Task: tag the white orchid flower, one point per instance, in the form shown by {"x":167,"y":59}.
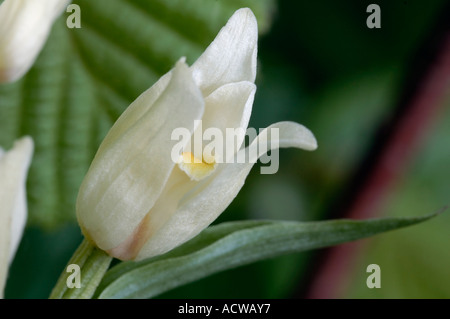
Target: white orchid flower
{"x":24,"y":28}
{"x":13,"y":205}
{"x":135,"y":201}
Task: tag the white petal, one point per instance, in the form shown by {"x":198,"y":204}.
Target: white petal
{"x":229,"y":106}
{"x":126,"y":177}
{"x":231,"y":57}
{"x":203,"y":204}
{"x":291,"y":134}
{"x":24,"y":28}
{"x":176,"y":187}
{"x":135,"y":111}
{"x":13,"y":209}
{"x":210,"y":197}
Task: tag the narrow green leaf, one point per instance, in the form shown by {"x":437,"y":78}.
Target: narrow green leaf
{"x":209,"y":236}
{"x":234,"y":244}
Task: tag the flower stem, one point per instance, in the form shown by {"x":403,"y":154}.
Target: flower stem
{"x":92,"y":262}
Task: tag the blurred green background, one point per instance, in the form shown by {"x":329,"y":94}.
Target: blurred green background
{"x":319,"y":65}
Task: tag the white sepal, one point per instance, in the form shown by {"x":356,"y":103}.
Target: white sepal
{"x":14,"y":166}
{"x":24,"y":28}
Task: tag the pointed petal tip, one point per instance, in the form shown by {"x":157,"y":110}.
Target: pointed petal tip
{"x":245,"y":18}
{"x":292,"y":134}
{"x":25,"y":145}
{"x":246,"y":13}
{"x":181,"y":60}
{"x":306,"y":139}
{"x":232,"y":56}
{"x":181,"y":66}
{"x":26,"y":140}
{"x":309,"y":140}
{"x":314,"y":145}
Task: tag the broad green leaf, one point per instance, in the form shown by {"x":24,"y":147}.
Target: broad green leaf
{"x":85,"y":78}
{"x":234,"y":244}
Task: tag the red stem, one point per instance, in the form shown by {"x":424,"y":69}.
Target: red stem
{"x":409,"y":133}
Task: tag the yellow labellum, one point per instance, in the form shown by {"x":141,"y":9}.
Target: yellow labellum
{"x":195,"y":168}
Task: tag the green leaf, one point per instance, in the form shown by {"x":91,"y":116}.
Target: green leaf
{"x":85,"y":78}
{"x":234,"y":244}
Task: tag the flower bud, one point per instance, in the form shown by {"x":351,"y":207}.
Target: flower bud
{"x":13,"y":208}
{"x":136,"y":201}
{"x":24,"y":28}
